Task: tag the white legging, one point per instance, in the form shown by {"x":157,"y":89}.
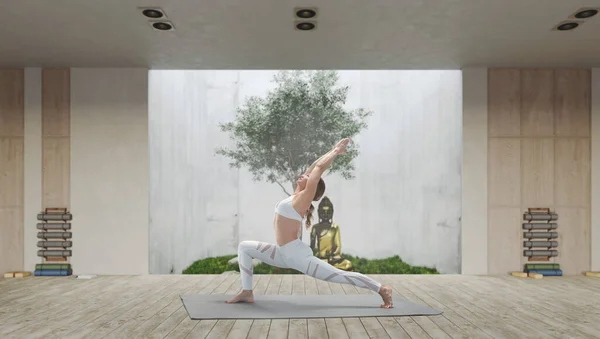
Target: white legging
{"x":296,"y":255}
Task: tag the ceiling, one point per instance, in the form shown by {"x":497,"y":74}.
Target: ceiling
{"x":259,"y":34}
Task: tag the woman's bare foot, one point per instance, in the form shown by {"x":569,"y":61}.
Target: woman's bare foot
{"x":245,"y":296}
{"x":386,"y":294}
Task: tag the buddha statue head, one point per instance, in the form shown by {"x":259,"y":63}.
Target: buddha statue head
{"x":325,"y":211}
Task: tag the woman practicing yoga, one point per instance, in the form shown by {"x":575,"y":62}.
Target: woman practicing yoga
{"x":290,"y":251}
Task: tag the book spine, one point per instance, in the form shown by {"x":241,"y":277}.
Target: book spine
{"x":53,"y":273}
{"x":555,"y":273}
{"x":44,"y":267}
{"x":542,"y":266}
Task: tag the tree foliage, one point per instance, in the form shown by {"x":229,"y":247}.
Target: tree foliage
{"x":278,"y":136}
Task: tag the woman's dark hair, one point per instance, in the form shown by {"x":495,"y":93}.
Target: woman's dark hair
{"x":318,"y":194}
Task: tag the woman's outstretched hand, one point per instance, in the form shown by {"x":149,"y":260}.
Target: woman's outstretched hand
{"x":340,"y":147}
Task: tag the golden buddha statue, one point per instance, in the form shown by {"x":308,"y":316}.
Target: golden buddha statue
{"x":325,"y":238}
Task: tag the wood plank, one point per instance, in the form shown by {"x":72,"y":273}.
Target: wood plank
{"x":122,"y":309}
{"x":11,"y":172}
{"x":153,"y":315}
{"x":240,"y":329}
{"x":12,"y":104}
{"x":523,"y":319}
{"x":574,"y":247}
{"x":504,"y":172}
{"x":452,"y":323}
{"x":574,"y":308}
{"x":188,"y":327}
{"x":537,"y":172}
{"x":573,"y":172}
{"x":57,"y":295}
{"x":279,"y":327}
{"x":572,"y":100}
{"x":505,"y":240}
{"x":298,"y":328}
{"x":53,"y":305}
{"x":67,"y":316}
{"x":485,"y":317}
{"x":504,"y":102}
{"x":260,"y":327}
{"x":12,"y":131}
{"x":11,"y":239}
{"x":56,"y":172}
{"x":537,"y":105}
{"x":525,"y":301}
{"x":316,"y":327}
{"x":56,"y":102}
{"x":220,"y":328}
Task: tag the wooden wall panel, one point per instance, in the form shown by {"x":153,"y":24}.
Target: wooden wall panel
{"x":504,"y":240}
{"x":573,"y":176}
{"x":11,"y":169}
{"x":574,"y":240}
{"x":11,"y":239}
{"x":56,"y":137}
{"x":11,"y":103}
{"x":56,"y":96}
{"x":504,"y":166}
{"x":537,"y":104}
{"x":56,"y":172}
{"x":537,"y":172}
{"x":554,"y":163}
{"x":504,"y":117}
{"x":572,"y":98}
{"x":11,"y":172}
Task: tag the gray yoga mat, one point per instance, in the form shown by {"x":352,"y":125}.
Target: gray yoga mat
{"x":213,"y":306}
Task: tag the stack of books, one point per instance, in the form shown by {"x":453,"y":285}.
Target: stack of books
{"x":55,"y":270}
{"x":550,"y":269}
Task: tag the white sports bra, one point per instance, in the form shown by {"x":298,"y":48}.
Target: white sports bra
{"x":285,"y":208}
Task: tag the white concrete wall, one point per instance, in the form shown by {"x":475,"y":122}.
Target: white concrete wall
{"x":109,"y":170}
{"x":474,"y":237}
{"x":32,"y":165}
{"x":595,"y":171}
{"x":405,"y":200}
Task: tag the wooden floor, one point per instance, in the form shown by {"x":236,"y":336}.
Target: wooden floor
{"x":149,"y":307}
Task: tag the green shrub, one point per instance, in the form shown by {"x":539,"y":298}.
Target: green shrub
{"x":391,"y":265}
{"x":213,"y":265}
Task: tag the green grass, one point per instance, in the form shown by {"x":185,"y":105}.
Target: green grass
{"x":391,"y":265}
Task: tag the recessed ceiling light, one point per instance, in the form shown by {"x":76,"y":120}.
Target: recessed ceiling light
{"x":586,"y":13}
{"x":162,"y":26}
{"x":305,"y":13}
{"x":153,"y":12}
{"x":567,"y":26}
{"x":305,"y":26}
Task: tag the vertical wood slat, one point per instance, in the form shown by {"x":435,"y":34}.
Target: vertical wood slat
{"x":572,"y":102}
{"x":537,"y":105}
{"x":537,"y":172}
{"x":56,"y":138}
{"x":12,"y":129}
{"x":573,"y":172}
{"x":574,"y":241}
{"x":504,"y":110}
{"x":504,"y":239}
{"x":504,"y":172}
